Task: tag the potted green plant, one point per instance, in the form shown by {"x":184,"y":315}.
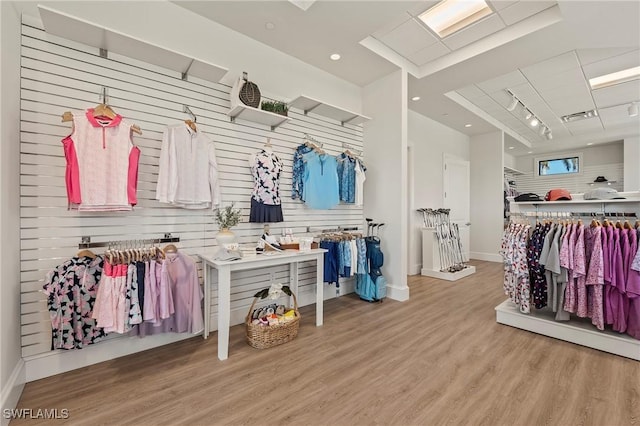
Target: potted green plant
{"x":275,"y":107}
{"x":226,"y":218}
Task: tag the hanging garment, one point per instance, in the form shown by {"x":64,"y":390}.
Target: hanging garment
{"x":346,"y":178}
{"x":331,"y":262}
{"x":297,"y":186}
{"x":266,"y":168}
{"x":360,"y":170}
{"x":556,"y":276}
{"x":71,"y":290}
{"x":536,"y":270}
{"x":181,"y":274}
{"x":595,"y":275}
{"x":188,"y":172}
{"x":320,"y":181}
{"x":101,"y":163}
{"x":516,"y":272}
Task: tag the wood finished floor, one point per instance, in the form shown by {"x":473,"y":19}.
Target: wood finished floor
{"x":439,"y":358}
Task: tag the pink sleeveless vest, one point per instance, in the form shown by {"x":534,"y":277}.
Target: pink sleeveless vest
{"x":102,"y":164}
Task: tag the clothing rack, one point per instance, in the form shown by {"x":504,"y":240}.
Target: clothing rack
{"x":566,"y":215}
{"x":168,"y":238}
{"x":338,"y":229}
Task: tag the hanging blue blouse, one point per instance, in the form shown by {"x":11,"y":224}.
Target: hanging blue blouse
{"x":320,"y":190}
{"x":297,"y":187}
{"x":347,"y":178}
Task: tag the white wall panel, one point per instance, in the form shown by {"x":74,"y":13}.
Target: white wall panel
{"x":60,"y":75}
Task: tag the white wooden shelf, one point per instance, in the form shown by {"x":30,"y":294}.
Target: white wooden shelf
{"x":575,"y":331}
{"x":513,"y":171}
{"x":89,"y":33}
{"x":544,"y":203}
{"x":256,"y":115}
{"x":344,"y":116}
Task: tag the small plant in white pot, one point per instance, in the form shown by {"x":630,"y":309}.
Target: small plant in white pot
{"x":226,"y":218}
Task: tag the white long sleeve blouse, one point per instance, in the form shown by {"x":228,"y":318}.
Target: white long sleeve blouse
{"x":188,"y":175}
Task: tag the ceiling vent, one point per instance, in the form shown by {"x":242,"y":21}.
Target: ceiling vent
{"x":579,"y":116}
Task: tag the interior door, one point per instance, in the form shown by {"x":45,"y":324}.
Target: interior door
{"x":457,"y":195}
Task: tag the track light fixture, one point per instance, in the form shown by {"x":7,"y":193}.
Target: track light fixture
{"x":529,"y":116}
{"x":633,"y":110}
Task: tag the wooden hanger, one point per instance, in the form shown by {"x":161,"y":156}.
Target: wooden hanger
{"x":170,"y":248}
{"x":627,"y":225}
{"x":618,"y":225}
{"x":191,"y":124}
{"x":86,"y":253}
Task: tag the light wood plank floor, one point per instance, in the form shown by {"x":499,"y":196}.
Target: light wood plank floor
{"x":438,"y":359}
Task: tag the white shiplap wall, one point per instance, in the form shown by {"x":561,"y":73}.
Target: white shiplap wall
{"x":575,"y":183}
{"x":60,"y":75}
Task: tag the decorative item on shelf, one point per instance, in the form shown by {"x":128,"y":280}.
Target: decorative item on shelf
{"x":227,"y":218}
{"x":249,"y":92}
{"x":601,"y":179}
{"x":272,"y":325}
{"x":275,"y":107}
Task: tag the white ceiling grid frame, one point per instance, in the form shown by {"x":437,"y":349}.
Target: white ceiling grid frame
{"x":59,"y":75}
{"x":409,"y":38}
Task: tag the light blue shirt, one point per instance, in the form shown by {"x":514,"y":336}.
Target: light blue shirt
{"x":320,"y":181}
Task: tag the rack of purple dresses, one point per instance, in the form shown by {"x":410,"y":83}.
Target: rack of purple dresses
{"x":572,"y":272}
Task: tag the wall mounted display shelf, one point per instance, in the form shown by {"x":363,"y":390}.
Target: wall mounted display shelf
{"x":307,"y":105}
{"x":108,"y":40}
{"x":256,"y":115}
{"x":512,"y":171}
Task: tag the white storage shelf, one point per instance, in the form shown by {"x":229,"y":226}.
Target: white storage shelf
{"x":513,"y":171}
{"x":89,"y":33}
{"x":307,"y":105}
{"x":256,"y":115}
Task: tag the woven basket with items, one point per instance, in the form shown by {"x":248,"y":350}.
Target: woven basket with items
{"x":274,"y":324}
{"x":249,"y":93}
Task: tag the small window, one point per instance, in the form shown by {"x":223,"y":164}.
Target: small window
{"x":559,"y":166}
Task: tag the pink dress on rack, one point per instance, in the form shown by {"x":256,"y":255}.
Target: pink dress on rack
{"x":633,"y":292}
{"x":595,"y":277}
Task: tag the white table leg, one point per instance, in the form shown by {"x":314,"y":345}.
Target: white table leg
{"x":319,"y":288}
{"x":224,"y":310}
{"x":207,"y":298}
{"x":293,"y":280}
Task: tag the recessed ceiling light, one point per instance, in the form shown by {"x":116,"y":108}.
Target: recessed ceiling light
{"x":449,"y":16}
{"x":415,"y":98}
{"x":335,"y":56}
{"x":467,"y":125}
{"x":529,"y":152}
{"x":615,"y":78}
{"x":270,"y":26}
{"x":512,"y":147}
{"x":590,"y":143}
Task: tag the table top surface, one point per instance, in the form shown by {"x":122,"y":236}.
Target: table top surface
{"x":275,"y":256}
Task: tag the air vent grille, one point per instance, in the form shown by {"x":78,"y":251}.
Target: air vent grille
{"x":585,"y":115}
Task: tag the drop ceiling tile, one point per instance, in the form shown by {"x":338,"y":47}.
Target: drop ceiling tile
{"x":616,"y":63}
{"x":589,"y":56}
{"x":471,"y":92}
{"x":506,"y":81}
{"x":565,"y":106}
{"x":523,"y":9}
{"x":617,"y":116}
{"x":569,"y":78}
{"x":500,"y":4}
{"x":618,"y":94}
{"x":584,"y":126}
{"x":429,"y":53}
{"x":422,"y":7}
{"x":391,"y":25}
{"x":408,"y":38}
{"x":474,"y":32}
{"x":553,"y":66}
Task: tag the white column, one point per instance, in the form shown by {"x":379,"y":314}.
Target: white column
{"x":385,"y":194}
{"x":487,"y":175}
{"x":12,"y":370}
{"x":632,"y":164}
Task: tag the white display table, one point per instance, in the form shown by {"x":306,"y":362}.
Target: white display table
{"x":224,"y":269}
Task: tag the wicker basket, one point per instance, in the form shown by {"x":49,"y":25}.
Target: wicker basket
{"x":263,"y":337}
{"x":249,"y":92}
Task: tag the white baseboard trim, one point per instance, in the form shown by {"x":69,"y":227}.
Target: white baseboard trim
{"x":12,"y":390}
{"x":415,"y":269}
{"x":56,"y":362}
{"x":401,"y":294}
{"x":489,"y":257}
